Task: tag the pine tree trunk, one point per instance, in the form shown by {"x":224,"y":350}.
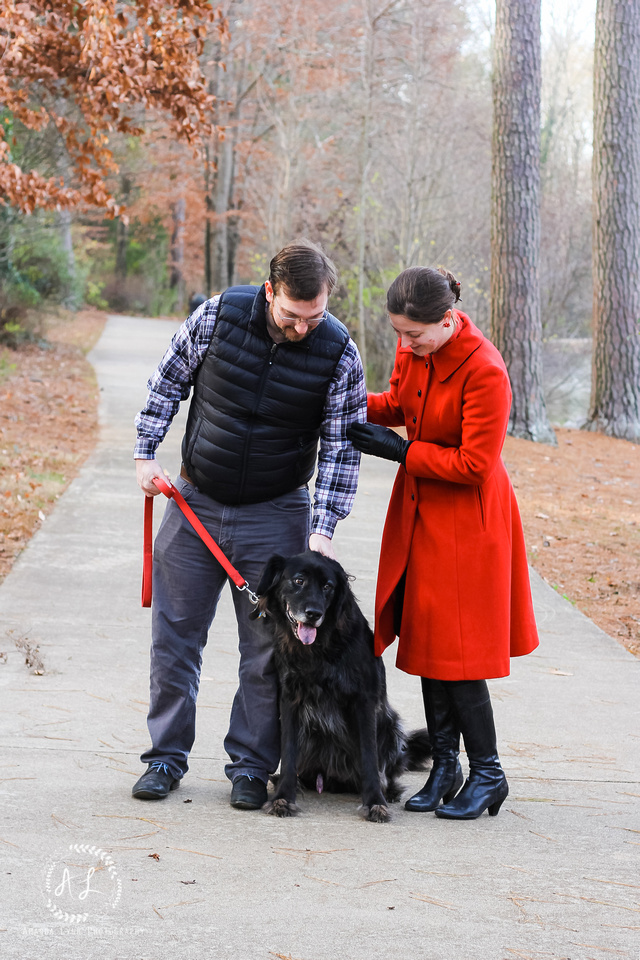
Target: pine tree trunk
{"x":615,"y":385}
{"x":366,"y":78}
{"x":516,"y":327}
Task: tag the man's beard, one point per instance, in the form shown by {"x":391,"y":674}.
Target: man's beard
{"x":289,"y":332}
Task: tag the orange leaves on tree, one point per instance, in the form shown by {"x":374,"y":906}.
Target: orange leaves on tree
{"x":92,"y":69}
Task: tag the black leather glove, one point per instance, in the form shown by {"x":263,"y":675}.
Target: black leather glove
{"x":378,"y":441}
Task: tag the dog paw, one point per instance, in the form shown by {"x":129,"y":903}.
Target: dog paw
{"x":377,"y":813}
{"x":393,"y":793}
{"x":281,"y":808}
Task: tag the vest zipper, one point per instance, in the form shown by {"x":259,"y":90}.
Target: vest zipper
{"x":259,"y":392}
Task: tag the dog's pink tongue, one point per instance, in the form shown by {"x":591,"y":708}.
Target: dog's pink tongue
{"x":306,"y":634}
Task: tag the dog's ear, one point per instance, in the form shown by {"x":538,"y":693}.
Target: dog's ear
{"x":271,"y":574}
{"x":269,"y":579}
{"x":343,"y":600}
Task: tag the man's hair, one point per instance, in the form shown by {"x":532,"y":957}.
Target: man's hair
{"x":302,"y":271}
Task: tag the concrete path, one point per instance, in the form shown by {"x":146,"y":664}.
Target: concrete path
{"x":555,"y":875}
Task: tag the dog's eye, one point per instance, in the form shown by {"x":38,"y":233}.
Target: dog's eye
{"x":327,"y":587}
{"x":299,"y":581}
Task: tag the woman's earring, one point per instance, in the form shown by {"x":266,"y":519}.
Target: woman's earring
{"x":447,"y":324}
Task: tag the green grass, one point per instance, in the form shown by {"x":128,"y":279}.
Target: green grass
{"x":6,"y":368}
{"x":50,"y":476}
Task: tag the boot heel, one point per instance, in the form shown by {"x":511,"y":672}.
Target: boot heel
{"x":494,"y":809}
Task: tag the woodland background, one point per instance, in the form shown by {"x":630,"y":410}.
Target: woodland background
{"x":152,"y":149}
{"x":364,"y":127}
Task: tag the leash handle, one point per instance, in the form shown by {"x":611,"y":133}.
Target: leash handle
{"x":167,"y":488}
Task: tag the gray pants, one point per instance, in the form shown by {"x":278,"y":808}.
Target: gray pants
{"x":187,"y":583}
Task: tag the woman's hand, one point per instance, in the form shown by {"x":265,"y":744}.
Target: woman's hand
{"x":378,"y":441}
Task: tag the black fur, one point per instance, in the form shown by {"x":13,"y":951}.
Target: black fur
{"x":336,"y":721}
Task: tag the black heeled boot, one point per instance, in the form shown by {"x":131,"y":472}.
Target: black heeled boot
{"x":445,"y":778}
{"x":486,"y":787}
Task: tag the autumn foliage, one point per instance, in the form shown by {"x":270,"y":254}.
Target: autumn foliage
{"x":91,"y":69}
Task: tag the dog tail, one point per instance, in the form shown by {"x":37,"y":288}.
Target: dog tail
{"x":419,"y":749}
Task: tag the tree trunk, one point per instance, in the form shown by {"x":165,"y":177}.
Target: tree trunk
{"x":224,"y":199}
{"x":516,"y":327}
{"x":70,"y":299}
{"x":369,"y":23}
{"x":233,"y":226}
{"x":615,"y":385}
{"x":362,"y":242}
{"x":208,"y":282}
{"x":176,"y":280}
{"x":6,"y":245}
{"x":122,"y":231}
{"x":209,"y":180}
{"x":122,"y":243}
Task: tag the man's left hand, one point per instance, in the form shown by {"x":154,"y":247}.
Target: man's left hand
{"x":322,"y":544}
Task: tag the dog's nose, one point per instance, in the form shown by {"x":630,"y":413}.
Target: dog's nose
{"x":312,"y":615}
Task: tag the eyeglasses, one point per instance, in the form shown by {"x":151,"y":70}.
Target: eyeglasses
{"x":294,"y":321}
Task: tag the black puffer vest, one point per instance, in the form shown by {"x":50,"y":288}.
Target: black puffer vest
{"x":257,"y":407}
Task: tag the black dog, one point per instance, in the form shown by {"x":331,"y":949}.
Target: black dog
{"x":339,"y":732}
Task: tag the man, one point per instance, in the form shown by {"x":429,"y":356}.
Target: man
{"x":273,"y":376}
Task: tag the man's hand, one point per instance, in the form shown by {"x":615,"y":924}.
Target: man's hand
{"x":378,"y":441}
{"x":146,"y":470}
{"x":322,"y":544}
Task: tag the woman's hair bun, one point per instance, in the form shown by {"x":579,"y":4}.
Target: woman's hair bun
{"x":451,"y":280}
{"x":423,"y":294}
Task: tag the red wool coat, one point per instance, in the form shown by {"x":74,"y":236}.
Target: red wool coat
{"x":453,"y":522}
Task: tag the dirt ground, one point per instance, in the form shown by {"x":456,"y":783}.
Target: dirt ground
{"x":580,"y":505}
{"x":48,"y":424}
{"x":580,"y":501}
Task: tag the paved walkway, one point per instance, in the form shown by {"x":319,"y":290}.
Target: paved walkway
{"x":555,"y":875}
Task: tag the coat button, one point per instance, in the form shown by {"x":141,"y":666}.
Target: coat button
{"x":419,"y":393}
{"x":412,"y":497}
{"x":415,"y":419}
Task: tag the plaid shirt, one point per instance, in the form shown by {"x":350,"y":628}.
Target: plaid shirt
{"x":346,"y":402}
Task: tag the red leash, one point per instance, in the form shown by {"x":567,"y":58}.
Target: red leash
{"x":166,"y":487}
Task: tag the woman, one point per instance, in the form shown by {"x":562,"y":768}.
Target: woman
{"x":453,"y":581}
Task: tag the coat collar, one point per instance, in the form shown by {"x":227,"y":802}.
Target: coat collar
{"x":453,"y":354}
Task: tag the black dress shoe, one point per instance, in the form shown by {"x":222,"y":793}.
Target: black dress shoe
{"x":156,"y":783}
{"x":248,"y":793}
